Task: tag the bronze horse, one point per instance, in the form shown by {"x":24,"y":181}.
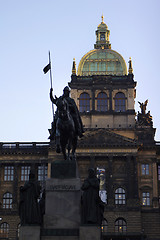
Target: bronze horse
{"x":66,"y":136}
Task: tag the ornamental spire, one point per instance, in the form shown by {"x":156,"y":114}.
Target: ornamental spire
{"x":130,"y":70}
{"x":74,"y":67}
{"x":102,"y":18}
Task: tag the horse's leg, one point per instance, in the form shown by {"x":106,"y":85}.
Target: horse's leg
{"x":69,"y":147}
{"x":63,"y":147}
{"x":74,"y":146}
{"x":58,"y":150}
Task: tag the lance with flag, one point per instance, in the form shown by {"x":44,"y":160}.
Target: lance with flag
{"x":45,"y":70}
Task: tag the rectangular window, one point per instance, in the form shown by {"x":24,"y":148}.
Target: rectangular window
{"x":145,"y":199}
{"x":159,"y":173}
{"x":8,"y":173}
{"x":42,"y":172}
{"x":25,"y":170}
{"x":101,"y":175}
{"x":145,"y":169}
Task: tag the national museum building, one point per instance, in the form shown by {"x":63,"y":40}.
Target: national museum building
{"x":118,"y":143}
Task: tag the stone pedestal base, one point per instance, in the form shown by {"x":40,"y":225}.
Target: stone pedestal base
{"x":29,"y":233}
{"x":89,"y":233}
{"x":62,"y":205}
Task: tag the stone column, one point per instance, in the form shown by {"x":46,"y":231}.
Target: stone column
{"x":129,"y":178}
{"x":110,"y":180}
{"x":110,"y":100}
{"x":93,"y":100}
{"x":155,"y":185}
{"x":135,"y":187}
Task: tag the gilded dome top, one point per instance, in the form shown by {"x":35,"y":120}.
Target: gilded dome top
{"x":102,"y":60}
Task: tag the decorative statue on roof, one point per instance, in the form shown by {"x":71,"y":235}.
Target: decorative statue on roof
{"x":67,"y":124}
{"x":92,"y":205}
{"x":29,"y":211}
{"x":143,"y":118}
{"x":143,"y":106}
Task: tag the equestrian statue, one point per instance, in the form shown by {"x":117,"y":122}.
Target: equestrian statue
{"x":67,"y":124}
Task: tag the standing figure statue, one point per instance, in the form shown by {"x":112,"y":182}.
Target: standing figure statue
{"x":67,"y":125}
{"x":92,"y":206}
{"x":29,"y":211}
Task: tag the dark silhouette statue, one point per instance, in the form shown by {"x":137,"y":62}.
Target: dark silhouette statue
{"x":144,"y":118}
{"x":92,"y":206}
{"x":67,"y":125}
{"x":42,"y":205}
{"x":29,"y":211}
{"x":143,"y":106}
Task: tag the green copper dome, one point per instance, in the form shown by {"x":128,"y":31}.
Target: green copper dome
{"x":102,"y":60}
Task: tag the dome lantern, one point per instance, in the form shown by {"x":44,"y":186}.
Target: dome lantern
{"x":102,"y":36}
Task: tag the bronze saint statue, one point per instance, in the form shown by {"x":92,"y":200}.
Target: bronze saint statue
{"x":92,"y":206}
{"x":29,"y":211}
{"x":67,"y":125}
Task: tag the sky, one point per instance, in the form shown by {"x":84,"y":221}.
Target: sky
{"x":30,"y":28}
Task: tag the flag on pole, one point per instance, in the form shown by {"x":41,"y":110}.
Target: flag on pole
{"x":47,"y":68}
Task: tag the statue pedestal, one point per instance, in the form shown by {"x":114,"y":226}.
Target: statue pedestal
{"x":29,"y":233}
{"x":89,"y":232}
{"x":62,"y":205}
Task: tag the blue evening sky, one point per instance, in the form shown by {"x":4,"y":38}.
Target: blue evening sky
{"x":29,"y":28}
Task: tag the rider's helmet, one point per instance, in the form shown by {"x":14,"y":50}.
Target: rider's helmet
{"x":66,"y":91}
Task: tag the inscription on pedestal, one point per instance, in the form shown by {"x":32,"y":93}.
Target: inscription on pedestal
{"x":63,"y":185}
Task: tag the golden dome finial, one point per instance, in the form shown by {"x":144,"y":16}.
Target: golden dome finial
{"x":102,"y":18}
{"x":130,"y":70}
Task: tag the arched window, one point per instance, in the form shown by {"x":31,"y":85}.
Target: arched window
{"x":7,"y":200}
{"x":120,"y":196}
{"x":120,"y":225}
{"x":18,"y":230}
{"x":104,"y":226}
{"x":4,"y":230}
{"x":120,"y":105}
{"x":84,"y":102}
{"x":102,"y":104}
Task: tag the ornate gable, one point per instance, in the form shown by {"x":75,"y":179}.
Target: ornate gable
{"x":103,"y":137}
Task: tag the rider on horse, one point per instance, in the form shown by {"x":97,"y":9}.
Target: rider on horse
{"x":73,"y":111}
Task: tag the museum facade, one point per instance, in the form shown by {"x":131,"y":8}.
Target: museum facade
{"x":118,"y":143}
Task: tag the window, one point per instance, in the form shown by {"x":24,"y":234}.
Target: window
{"x":102,"y":105}
{"x":101,"y":175}
{"x":4,"y":230}
{"x":18,"y":230}
{"x":8,"y":173}
{"x":42,"y":172}
{"x":145,"y":199}
{"x":84,"y":102}
{"x":120,"y":196}
{"x":7,"y":200}
{"x":25,"y":170}
{"x":145,"y":169}
{"x":102,"y":36}
{"x":104,"y":226}
{"x":120,"y":105}
{"x":159,"y":173}
{"x":120,"y":225}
